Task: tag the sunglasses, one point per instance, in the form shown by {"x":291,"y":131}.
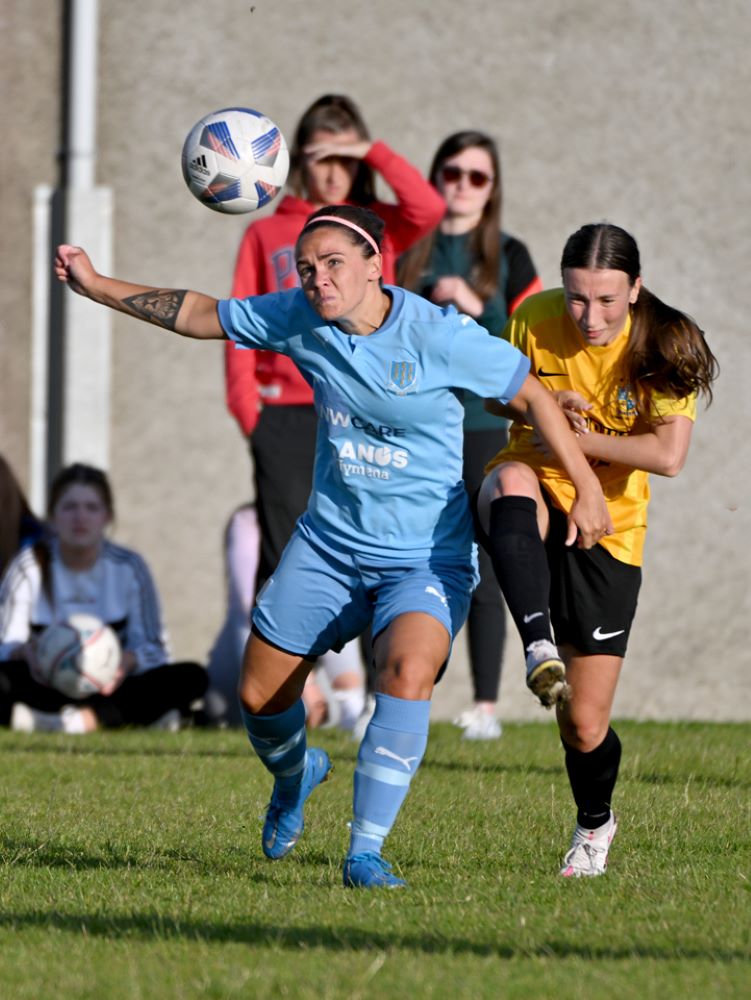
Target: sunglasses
{"x":452,"y":175}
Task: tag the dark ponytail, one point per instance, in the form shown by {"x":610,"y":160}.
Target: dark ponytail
{"x":666,"y":353}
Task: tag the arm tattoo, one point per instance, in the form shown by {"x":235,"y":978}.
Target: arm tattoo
{"x":160,"y":306}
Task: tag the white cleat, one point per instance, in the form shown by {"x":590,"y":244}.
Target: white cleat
{"x":588,"y":854}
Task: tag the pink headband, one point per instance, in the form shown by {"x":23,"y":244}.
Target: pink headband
{"x":344,"y":222}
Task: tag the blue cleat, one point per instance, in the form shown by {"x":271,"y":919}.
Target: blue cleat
{"x":370,"y":871}
{"x":284,"y":819}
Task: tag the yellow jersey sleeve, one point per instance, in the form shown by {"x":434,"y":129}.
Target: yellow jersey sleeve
{"x":667,"y":406}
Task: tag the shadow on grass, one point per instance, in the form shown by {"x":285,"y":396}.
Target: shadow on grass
{"x":678,"y":779}
{"x":66,"y":747}
{"x":696,"y":780}
{"x":56,"y":854}
{"x":59,"y":746}
{"x":153,"y":926}
{"x":494,"y":767}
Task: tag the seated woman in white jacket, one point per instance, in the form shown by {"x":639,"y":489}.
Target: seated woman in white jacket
{"x":79,"y":570}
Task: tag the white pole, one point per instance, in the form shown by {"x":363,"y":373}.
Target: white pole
{"x":87,"y":361}
{"x":39,"y":348}
{"x":82,"y":89}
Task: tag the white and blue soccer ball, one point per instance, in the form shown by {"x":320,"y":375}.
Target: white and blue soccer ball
{"x":235,"y":160}
{"x":78,"y":657}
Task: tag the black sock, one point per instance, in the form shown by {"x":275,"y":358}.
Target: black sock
{"x":592,"y":776}
{"x":521,"y":565}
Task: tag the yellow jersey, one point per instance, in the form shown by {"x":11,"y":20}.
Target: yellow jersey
{"x":543,"y":330}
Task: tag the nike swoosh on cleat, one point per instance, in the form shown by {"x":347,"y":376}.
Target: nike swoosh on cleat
{"x":528,"y":618}
{"x":600,"y":635}
{"x":544,"y":374}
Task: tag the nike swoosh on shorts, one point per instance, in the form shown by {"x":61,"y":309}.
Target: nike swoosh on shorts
{"x":600,"y":635}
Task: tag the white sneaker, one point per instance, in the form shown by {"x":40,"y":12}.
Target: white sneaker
{"x":24,"y":719}
{"x":546,"y":673}
{"x":171,"y":721}
{"x":479,"y":725}
{"x":358,"y":730}
{"x":465,"y":719}
{"x":588,"y":854}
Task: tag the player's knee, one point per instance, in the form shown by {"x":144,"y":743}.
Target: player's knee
{"x":408,"y":675}
{"x":584,"y":735}
{"x":514,"y":479}
{"x":251,"y":698}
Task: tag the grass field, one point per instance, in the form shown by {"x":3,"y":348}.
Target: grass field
{"x":131,"y":868}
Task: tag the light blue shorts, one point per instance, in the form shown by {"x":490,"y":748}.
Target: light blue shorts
{"x":318,"y":598}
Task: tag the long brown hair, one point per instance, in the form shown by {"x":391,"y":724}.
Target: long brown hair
{"x":330,"y":113}
{"x":667,"y":352}
{"x":485,"y":237}
{"x":14,"y":509}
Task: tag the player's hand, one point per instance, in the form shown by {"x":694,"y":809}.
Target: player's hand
{"x":574,"y":405}
{"x":128,"y":664}
{"x":337,"y":150}
{"x":72,"y":266}
{"x":589,"y":519}
{"x":452,"y":288}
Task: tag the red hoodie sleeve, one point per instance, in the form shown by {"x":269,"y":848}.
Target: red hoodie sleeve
{"x":420,"y":207}
{"x":241,"y":386}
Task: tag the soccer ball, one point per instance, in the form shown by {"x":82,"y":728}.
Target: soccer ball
{"x":235,"y":160}
{"x":78,"y":657}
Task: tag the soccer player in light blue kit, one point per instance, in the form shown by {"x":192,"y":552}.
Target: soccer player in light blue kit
{"x":387,"y":534}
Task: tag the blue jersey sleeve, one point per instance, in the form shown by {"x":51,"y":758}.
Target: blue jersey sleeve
{"x":486,"y":365}
{"x":264,"y":321}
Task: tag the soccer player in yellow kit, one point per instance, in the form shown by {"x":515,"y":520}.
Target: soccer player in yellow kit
{"x":626,"y":369}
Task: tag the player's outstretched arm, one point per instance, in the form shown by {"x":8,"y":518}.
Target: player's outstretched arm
{"x":589,"y":515}
{"x":662,"y":449}
{"x":188,"y":313}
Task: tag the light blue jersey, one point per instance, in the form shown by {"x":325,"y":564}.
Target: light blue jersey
{"x":388,"y":471}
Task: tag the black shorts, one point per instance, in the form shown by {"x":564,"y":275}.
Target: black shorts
{"x":593,"y":596}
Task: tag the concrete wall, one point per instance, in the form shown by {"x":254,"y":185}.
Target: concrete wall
{"x":635,"y":112}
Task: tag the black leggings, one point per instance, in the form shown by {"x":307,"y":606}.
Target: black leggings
{"x":486,"y":624}
{"x":140,"y":700}
{"x":283,"y":448}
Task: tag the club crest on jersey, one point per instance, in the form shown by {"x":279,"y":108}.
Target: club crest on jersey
{"x":626,"y":401}
{"x":402,"y":376}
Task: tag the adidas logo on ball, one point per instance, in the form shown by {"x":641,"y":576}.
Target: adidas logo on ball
{"x":198,"y":165}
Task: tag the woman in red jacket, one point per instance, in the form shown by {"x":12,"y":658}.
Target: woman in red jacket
{"x":332,"y":161}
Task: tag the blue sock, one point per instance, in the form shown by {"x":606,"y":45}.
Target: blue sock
{"x":390,"y":753}
{"x":280,"y":742}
